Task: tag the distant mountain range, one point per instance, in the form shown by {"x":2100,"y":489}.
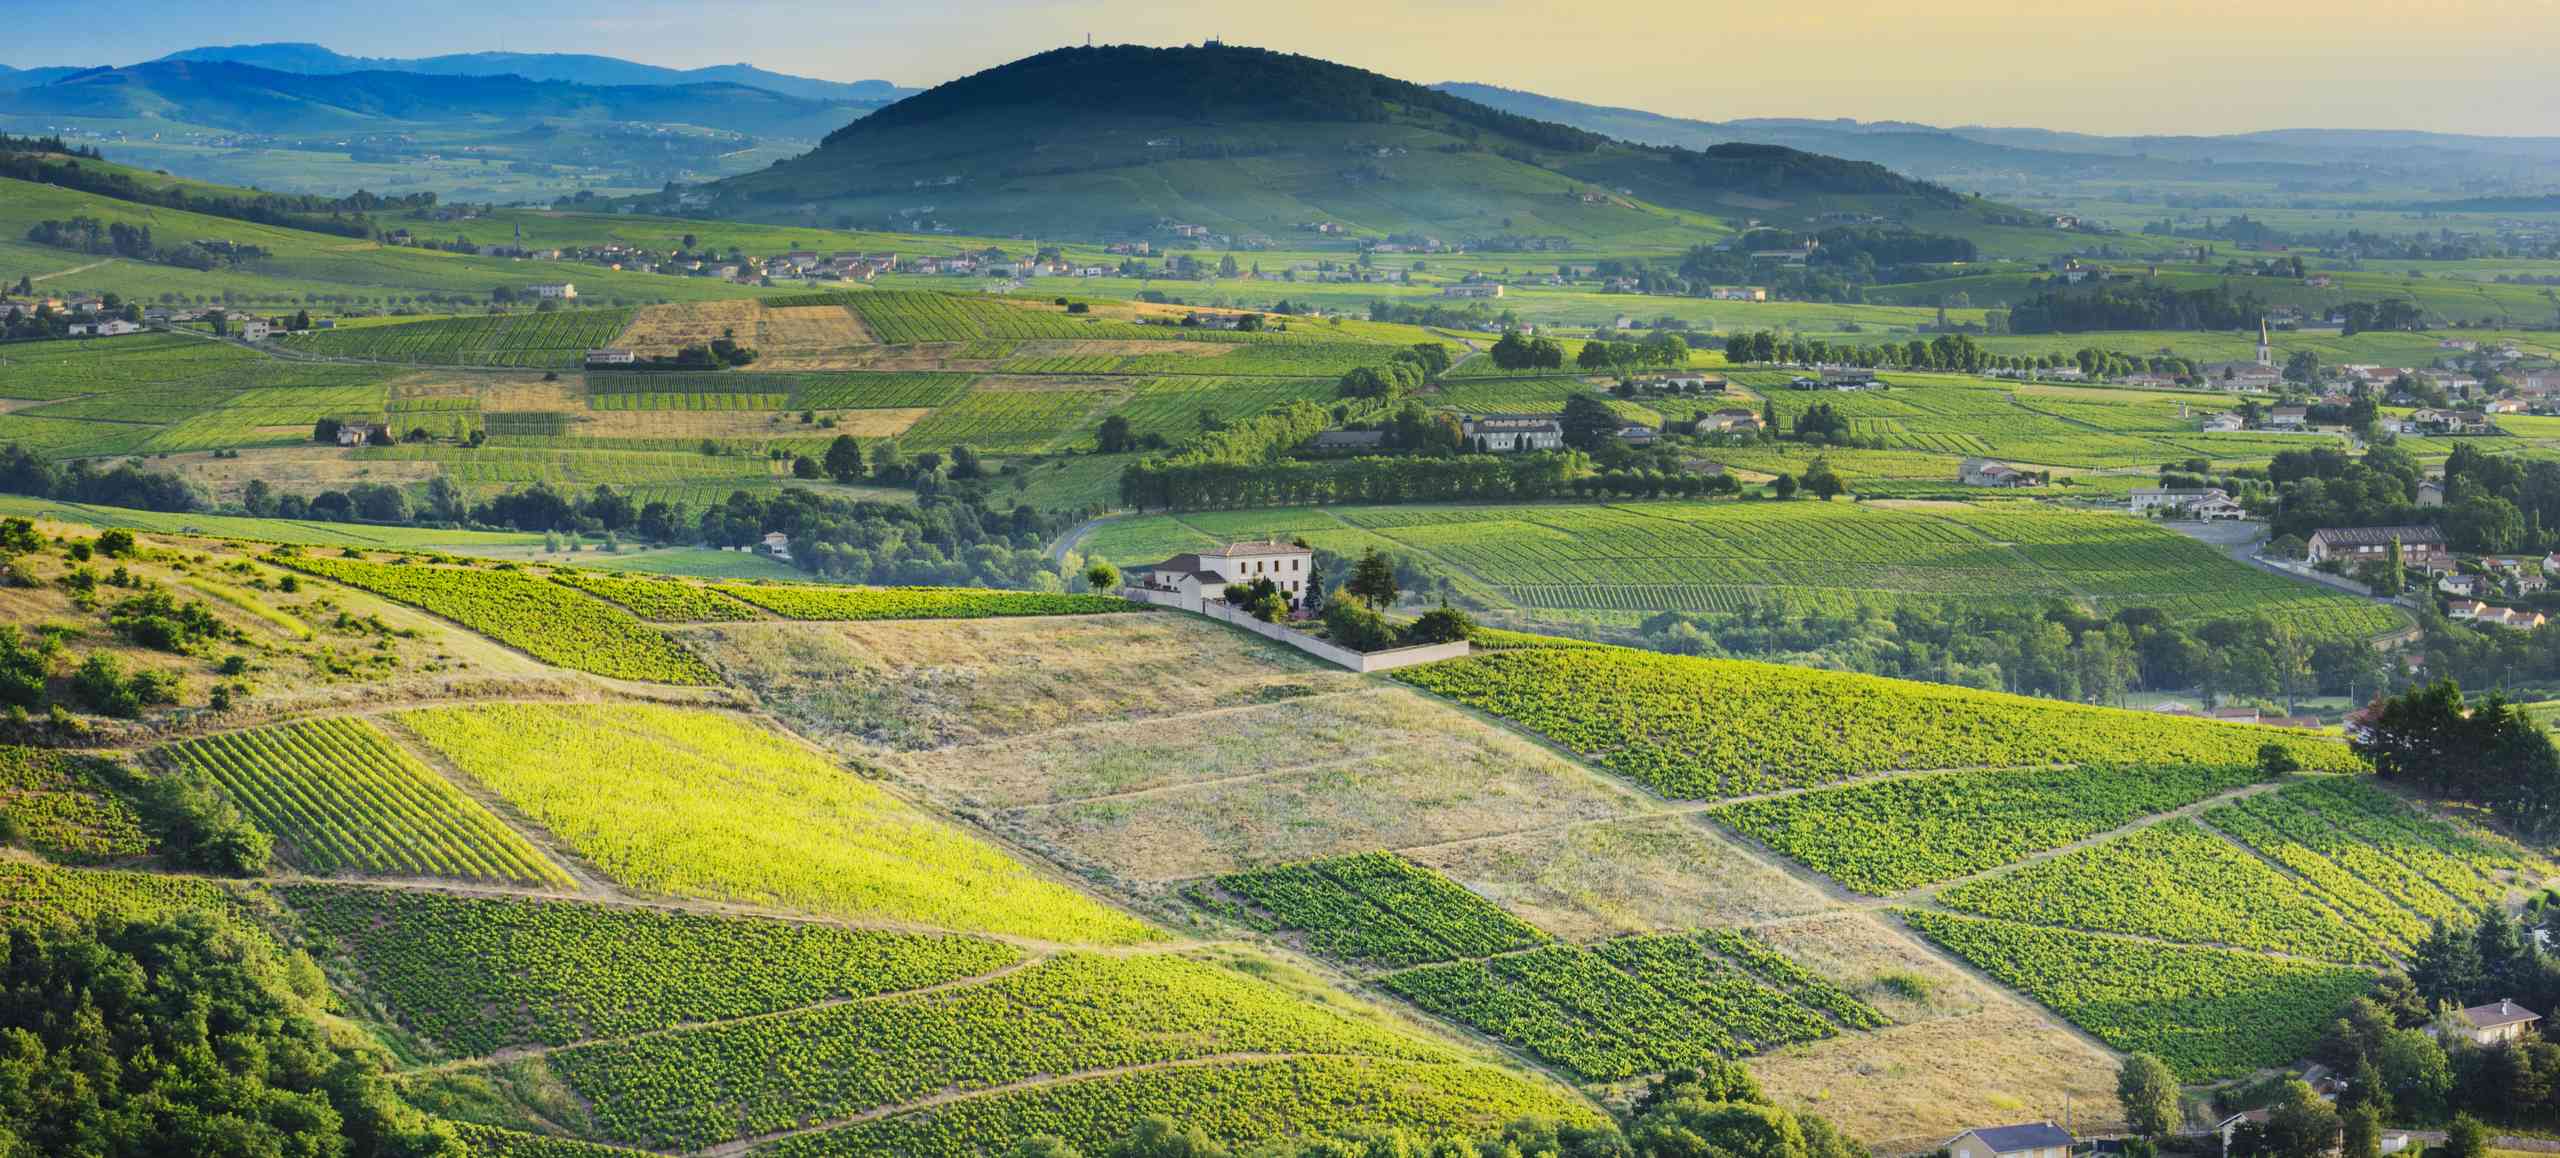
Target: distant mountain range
{"x":240,"y":97}
{"x":1963,"y":154}
{"x":1128,"y":140}
{"x":577,"y":68}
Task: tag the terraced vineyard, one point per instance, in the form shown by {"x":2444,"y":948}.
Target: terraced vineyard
{"x":2209,"y":1013}
{"x":478,"y":974}
{"x":2177,"y":882}
{"x":1381,"y":909}
{"x":551,"y":622}
{"x":1639,"y":1005}
{"x":1701,"y":729}
{"x":542,"y":341}
{"x":810,"y":601}
{"x":42,"y":896}
{"x":1008,"y":420}
{"x":2378,"y":857}
{"x":702,"y":1086}
{"x":341,"y":797}
{"x":61,"y":804}
{"x":708,"y":805}
{"x":659,"y":599}
{"x":1886,"y":836}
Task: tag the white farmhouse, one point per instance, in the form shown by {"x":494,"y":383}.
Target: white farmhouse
{"x":1204,"y":577}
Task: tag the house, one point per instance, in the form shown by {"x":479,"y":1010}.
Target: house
{"x":2465,"y":585}
{"x":1852,"y":379}
{"x":351,"y":434}
{"x":2229,"y":1127}
{"x":2500,"y":1022}
{"x":2474,"y":611}
{"x":611,"y":357}
{"x":2217,"y":509}
{"x":2419,"y":546}
{"x":1347,"y":441}
{"x":2288,"y":417}
{"x":1472,"y":290}
{"x":1737,"y":293}
{"x":777,"y":545}
{"x":1502,"y":433}
{"x":2430,"y":494}
{"x":1983,"y":472}
{"x":1204,"y":577}
{"x":1637,"y":434}
{"x":2226,"y":422}
{"x":1734,"y":418}
{"x":255,"y":329}
{"x":2148,"y":499}
{"x":553,"y":291}
{"x":2551,"y":563}
{"x":2028,"y":1140}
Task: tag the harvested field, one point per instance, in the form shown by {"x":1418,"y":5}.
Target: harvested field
{"x":1911,"y":1087}
{"x":502,"y":395}
{"x":294,"y":470}
{"x":809,"y":329}
{"x":659,"y":331}
{"x":738,"y":424}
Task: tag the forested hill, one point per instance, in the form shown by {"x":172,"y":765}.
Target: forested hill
{"x":1117,"y":140}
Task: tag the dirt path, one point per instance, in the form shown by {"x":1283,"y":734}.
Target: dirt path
{"x":68,"y":272}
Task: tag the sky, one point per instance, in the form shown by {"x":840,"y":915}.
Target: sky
{"x":2105,"y":66}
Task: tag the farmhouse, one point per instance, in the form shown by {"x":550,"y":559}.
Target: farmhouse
{"x":2419,"y":546}
{"x":1983,"y":472}
{"x":2288,"y":417}
{"x":2430,"y":494}
{"x":255,"y":329}
{"x":1473,"y":290}
{"x":611,"y":357}
{"x":1503,"y":433}
{"x":556,"y":291}
{"x":1638,"y":434}
{"x":1204,"y":577}
{"x":2226,"y":422}
{"x":2028,"y":1140}
{"x":1730,"y":418}
{"x":2501,"y":1021}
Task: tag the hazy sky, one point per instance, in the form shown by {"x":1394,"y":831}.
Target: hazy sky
{"x":2116,"y":66}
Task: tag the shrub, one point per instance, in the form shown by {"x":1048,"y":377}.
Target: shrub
{"x":1356,"y":627}
{"x":1439,"y":625}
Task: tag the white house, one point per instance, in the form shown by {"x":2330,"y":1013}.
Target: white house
{"x":2148,"y":499}
{"x":1205,"y":576}
{"x":2288,"y":417}
{"x":255,"y":329}
{"x":560,"y":290}
{"x":1504,"y":433}
{"x":2029,"y":1140}
{"x":611,"y":357}
{"x":2499,"y":1021}
{"x":1472,"y":290}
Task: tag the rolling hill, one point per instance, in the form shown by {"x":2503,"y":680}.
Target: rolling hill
{"x":574,"y":67}
{"x":1114,"y":141}
{"x":249,"y":98}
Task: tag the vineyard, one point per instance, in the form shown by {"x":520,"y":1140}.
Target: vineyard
{"x":708,"y":805}
{"x":343,"y":799}
{"x":1700,"y":729}
{"x":1010,"y":421}
{"x":899,"y":317}
{"x":2373,"y":854}
{"x":1631,"y":1006}
{"x":474,"y":975}
{"x":62,"y":805}
{"x":2176,"y":882}
{"x":695,"y":1087}
{"x":550,"y":622}
{"x":541,"y":341}
{"x":1886,"y":836}
{"x":657,"y":598}
{"x":1380,"y":909}
{"x":1238,"y":1103}
{"x":815,"y":602}
{"x":2209,"y":1013}
{"x":37,"y":895}
{"x":498,"y":1142}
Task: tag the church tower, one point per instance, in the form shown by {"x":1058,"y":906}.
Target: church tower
{"x":2266,"y":353}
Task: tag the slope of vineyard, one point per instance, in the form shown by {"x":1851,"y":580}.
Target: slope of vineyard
{"x":549,"y":621}
{"x":1698,"y":728}
{"x":705,"y":804}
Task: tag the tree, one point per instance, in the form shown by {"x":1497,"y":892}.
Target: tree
{"x":1356,"y":627}
{"x":1784,"y":485}
{"x":964,"y":462}
{"x":843,"y":461}
{"x":1115,"y":437}
{"x":1102,"y":576}
{"x":888,"y":463}
{"x":2445,"y":965}
{"x":1822,"y":481}
{"x":2465,"y":1138}
{"x":2416,"y":1073}
{"x":1373,"y":580}
{"x":2148,"y":1091}
{"x":326,"y":430}
{"x":1442,"y":624}
{"x":2300,"y":1124}
{"x":805,"y":467}
{"x":1589,"y":424}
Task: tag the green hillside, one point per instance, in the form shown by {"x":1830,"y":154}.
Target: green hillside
{"x":1109,"y":141}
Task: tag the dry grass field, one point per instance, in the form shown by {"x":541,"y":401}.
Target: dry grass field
{"x":299,"y":470}
{"x":1645,"y":874}
{"x":809,"y":329}
{"x":659,"y":331}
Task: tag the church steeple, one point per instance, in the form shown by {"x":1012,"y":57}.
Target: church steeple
{"x":2266,"y":352}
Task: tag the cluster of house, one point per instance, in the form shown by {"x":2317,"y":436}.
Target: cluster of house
{"x":1683,"y":382}
{"x":2496,"y":1023}
{"x":2423,"y":549}
{"x":2204,"y":504}
{"x":1491,"y":434}
{"x":1473,"y":289}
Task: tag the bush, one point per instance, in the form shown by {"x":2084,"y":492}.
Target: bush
{"x":1442,"y":624}
{"x":1356,"y":627}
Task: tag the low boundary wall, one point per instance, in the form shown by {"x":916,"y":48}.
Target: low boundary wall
{"x":1359,"y":661}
